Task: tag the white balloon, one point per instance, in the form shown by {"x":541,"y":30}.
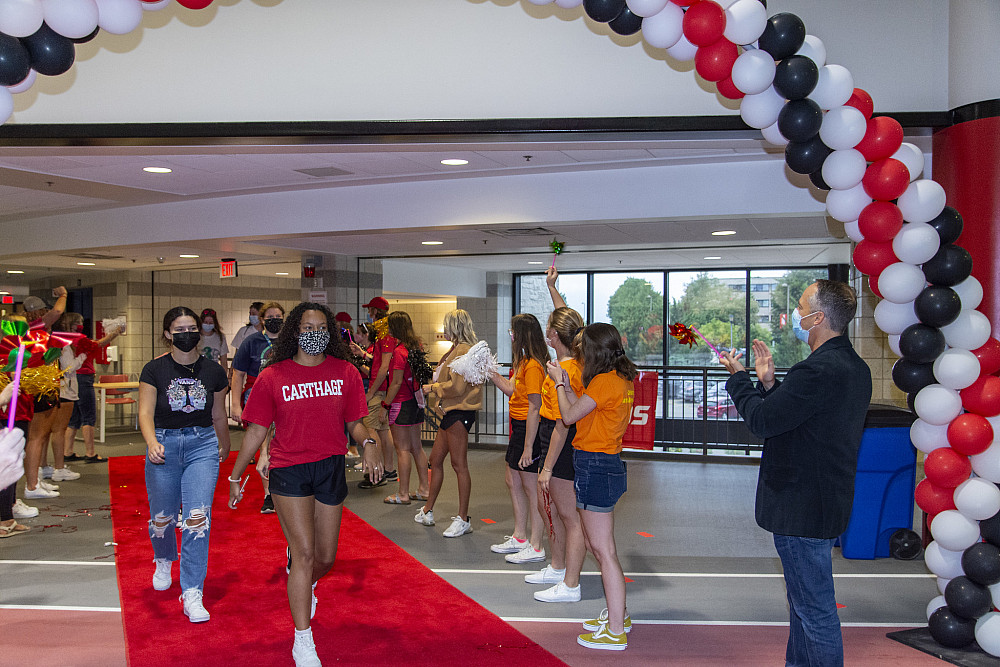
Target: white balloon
{"x":846,"y":205}
{"x":970,"y":291}
{"x":835,"y":87}
{"x":761,"y":110}
{"x":745,"y":21}
{"x":644,"y":8}
{"x":970,"y":331}
{"x":120,"y":17}
{"x":937,"y":404}
{"x":910,"y":156}
{"x":943,"y":562}
{"x":156,"y":6}
{"x":70,"y":18}
{"x":977,"y":498}
{"x":956,"y":368}
{"x":539,"y":2}
{"x":753,"y":71}
{"x":6,"y":105}
{"x":28,"y":82}
{"x":663,"y":29}
{"x":892,"y":318}
{"x":987,"y":464}
{"x":853,"y":231}
{"x":901,"y":282}
{"x":843,"y":169}
{"x":843,"y":127}
{"x":20,"y":18}
{"x":774,"y":136}
{"x":935,"y":604}
{"x":928,"y":437}
{"x":922,"y":201}
{"x":995,"y":593}
{"x":988,"y":633}
{"x":916,"y":243}
{"x":893,"y":342}
{"x":942,"y":584}
{"x":682,"y":50}
{"x":954,"y":531}
{"x":814,"y":49}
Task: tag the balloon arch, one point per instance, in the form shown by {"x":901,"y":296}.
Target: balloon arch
{"x":905,"y":239}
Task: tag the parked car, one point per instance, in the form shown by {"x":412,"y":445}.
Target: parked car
{"x":722,"y":408}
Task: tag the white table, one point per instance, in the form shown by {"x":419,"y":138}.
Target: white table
{"x":102,"y":392}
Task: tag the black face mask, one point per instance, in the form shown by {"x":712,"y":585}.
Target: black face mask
{"x":273,"y":324}
{"x":185,"y":341}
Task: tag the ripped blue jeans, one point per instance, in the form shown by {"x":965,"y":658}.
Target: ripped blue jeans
{"x":186,"y":480}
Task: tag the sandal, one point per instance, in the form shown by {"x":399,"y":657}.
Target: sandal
{"x":96,"y":458}
{"x":72,"y":457}
{"x":14,"y":528}
{"x":394,"y":499}
{"x":418,"y":496}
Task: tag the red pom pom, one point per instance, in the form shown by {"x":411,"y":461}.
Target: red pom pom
{"x":933,"y":499}
{"x":886,"y":179}
{"x":983,"y":396}
{"x":715,"y":62}
{"x":946,"y":468}
{"x":704,"y":23}
{"x":970,"y":434}
{"x":871,"y":258}
{"x":861,"y":101}
{"x":989,"y":357}
{"x":883,"y":138}
{"x":880,"y":221}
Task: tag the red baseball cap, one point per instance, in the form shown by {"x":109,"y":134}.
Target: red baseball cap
{"x":342,"y":317}
{"x":378,"y":303}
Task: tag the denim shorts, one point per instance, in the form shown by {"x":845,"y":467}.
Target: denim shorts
{"x":600,"y":480}
{"x":326,"y":480}
{"x":85,"y":410}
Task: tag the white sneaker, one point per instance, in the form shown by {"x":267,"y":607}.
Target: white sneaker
{"x":22,"y":511}
{"x":48,"y":486}
{"x":459,"y":526}
{"x":548,"y":575}
{"x":526,"y":555}
{"x":64,"y":475}
{"x":426,"y":518}
{"x":45,"y":472}
{"x":193,"y":607}
{"x":510,"y":545}
{"x":162,"y":579}
{"x":559,"y":593}
{"x":312,"y":612}
{"x":39,"y":492}
{"x":304,"y":651}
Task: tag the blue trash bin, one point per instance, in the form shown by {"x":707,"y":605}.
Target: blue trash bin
{"x":883,"y":485}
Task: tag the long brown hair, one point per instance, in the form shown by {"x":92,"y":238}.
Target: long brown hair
{"x":529,"y":342}
{"x":401,"y":328}
{"x":567,"y":323}
{"x":601,"y":347}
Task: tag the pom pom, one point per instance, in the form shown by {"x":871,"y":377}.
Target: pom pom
{"x":113,"y":324}
{"x":477,"y":364}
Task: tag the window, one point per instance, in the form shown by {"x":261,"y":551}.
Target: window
{"x":786,"y":286}
{"x":707,"y":301}
{"x":764,"y":318}
{"x":535,"y":298}
{"x":764,"y":303}
{"x":633,"y":303}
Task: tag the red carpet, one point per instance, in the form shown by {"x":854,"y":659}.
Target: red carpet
{"x":379,"y":605}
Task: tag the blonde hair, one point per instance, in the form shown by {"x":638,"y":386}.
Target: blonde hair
{"x":458,"y":327}
{"x":268,"y":306}
{"x":567,"y":323}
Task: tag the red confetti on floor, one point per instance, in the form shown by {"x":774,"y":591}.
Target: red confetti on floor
{"x":629,"y":581}
{"x":641,"y":534}
{"x":841,"y":606}
{"x":488,"y":521}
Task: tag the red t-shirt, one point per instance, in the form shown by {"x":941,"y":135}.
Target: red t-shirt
{"x":92,"y":350}
{"x":401,"y":361}
{"x":382,"y":346}
{"x":309,"y":406}
{"x":24,"y":411}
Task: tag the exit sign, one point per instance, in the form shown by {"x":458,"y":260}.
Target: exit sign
{"x":228,"y":268}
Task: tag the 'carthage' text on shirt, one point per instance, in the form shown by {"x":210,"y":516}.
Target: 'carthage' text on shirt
{"x":294,"y":392}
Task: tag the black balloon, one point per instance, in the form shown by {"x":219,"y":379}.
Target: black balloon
{"x":948,"y":224}
{"x":15,"y":63}
{"x":921,"y":344}
{"x":937,"y":305}
{"x":967,"y":598}
{"x":604,"y":11}
{"x":981,"y":564}
{"x":990,"y":529}
{"x":817,"y":178}
{"x":951,"y":630}
{"x":951,"y":265}
{"x":911,"y":377}
{"x":796,"y":77}
{"x":626,"y":23}
{"x":910,"y":403}
{"x":806,"y":157}
{"x":86,"y":38}
{"x":51,"y":53}
{"x":799,"y":120}
{"x":783,"y":35}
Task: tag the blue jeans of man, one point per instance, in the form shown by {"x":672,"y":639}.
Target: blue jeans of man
{"x":186,"y":480}
{"x":814,"y":637}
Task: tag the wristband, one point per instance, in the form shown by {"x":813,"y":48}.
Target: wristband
{"x":367,"y":440}
{"x":547,"y":469}
{"x":234,"y":481}
{"x":560,"y":384}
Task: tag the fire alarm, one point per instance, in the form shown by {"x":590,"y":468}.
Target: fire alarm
{"x":309,"y":271}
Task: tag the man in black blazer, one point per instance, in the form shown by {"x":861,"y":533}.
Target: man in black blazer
{"x":812,"y":423}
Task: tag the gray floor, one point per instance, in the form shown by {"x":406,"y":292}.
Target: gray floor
{"x":706,"y":562}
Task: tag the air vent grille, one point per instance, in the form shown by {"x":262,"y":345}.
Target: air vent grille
{"x":324,"y":172}
{"x":520,"y":232}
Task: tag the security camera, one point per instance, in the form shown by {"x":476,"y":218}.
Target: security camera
{"x":160,"y":260}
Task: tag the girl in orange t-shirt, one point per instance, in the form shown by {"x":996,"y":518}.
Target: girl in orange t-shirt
{"x":525,"y":449}
{"x":602,"y":413}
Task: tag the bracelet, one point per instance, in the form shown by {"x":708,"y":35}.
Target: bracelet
{"x":547,"y":469}
{"x":367,"y":440}
{"x":385,"y":406}
{"x":561,"y":384}
{"x":234,"y":481}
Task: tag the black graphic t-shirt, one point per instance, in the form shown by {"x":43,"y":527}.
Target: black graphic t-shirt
{"x":184,"y":396}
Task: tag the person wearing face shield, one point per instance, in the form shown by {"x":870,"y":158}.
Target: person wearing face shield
{"x":812,"y":422}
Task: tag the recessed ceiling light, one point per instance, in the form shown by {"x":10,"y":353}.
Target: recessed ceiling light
{"x":14,"y":271}
{"x":281,"y":273}
{"x":724,"y":232}
{"x":4,"y":292}
{"x":536,"y":262}
{"x":713,"y":257}
{"x":431,"y":242}
{"x":189,"y":256}
{"x":86,"y":264}
{"x":454,"y":162}
{"x":157,"y":170}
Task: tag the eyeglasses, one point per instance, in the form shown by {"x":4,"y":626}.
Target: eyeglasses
{"x":511,"y":332}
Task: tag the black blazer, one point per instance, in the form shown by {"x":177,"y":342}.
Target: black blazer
{"x":812,"y":424}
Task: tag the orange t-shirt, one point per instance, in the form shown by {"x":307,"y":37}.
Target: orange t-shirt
{"x":527,"y":381}
{"x":550,"y":402}
{"x":603,"y":428}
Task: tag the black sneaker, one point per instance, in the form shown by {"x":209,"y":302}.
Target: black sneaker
{"x":268,"y":506}
{"x":367,"y":484}
{"x":288,"y":555}
{"x":391,"y":476}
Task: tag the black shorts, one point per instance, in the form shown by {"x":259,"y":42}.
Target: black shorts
{"x":410,"y":414}
{"x":325,"y":480}
{"x":563,"y":468}
{"x":44,"y":403}
{"x":466,"y":417}
{"x":518,"y":429}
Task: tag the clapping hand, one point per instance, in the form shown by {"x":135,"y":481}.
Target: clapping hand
{"x":763,"y":363}
{"x":732,"y":361}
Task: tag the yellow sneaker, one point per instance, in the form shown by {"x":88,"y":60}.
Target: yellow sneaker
{"x":603,"y":620}
{"x":603,"y":638}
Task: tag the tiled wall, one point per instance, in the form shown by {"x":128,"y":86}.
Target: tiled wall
{"x":428,"y":321}
{"x":872,"y":344}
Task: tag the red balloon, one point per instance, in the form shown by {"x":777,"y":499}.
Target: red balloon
{"x":685,"y":3}
{"x":933,"y":499}
{"x":727,"y":89}
{"x":989,"y":357}
{"x":862,"y":101}
{"x":873,"y":286}
{"x":704,"y":24}
{"x":715,"y":62}
{"x":946,"y":468}
{"x":194,"y":4}
{"x":970,"y":434}
{"x":886,"y":179}
{"x":982,"y":396}
{"x":871,"y":258}
{"x":880,"y":221}
{"x":883,"y":138}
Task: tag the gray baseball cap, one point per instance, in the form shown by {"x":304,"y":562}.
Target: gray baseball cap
{"x":33,"y":303}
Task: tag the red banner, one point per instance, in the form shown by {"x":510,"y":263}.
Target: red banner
{"x":642,"y":428}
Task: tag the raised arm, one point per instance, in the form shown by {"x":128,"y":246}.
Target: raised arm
{"x":551,"y":275}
